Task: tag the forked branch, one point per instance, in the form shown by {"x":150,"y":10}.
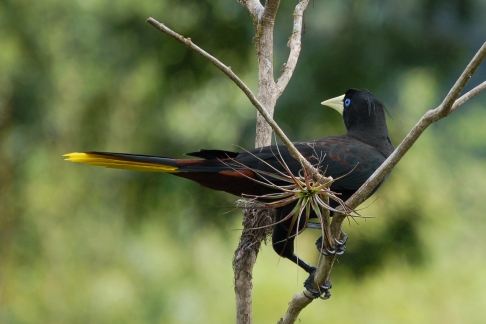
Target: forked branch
{"x":253,"y":99}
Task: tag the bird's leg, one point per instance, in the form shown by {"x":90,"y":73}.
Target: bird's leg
{"x":314,"y":225}
{"x":284,"y":246}
{"x":338,"y":249}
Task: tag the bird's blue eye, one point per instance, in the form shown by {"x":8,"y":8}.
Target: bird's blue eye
{"x":347,"y":102}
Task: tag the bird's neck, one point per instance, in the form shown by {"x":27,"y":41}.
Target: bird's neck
{"x":378,"y":138}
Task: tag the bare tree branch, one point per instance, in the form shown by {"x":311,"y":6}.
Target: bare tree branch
{"x":267,"y":93}
{"x":264,"y":24}
{"x":295,"y":46}
{"x":269,"y":90}
{"x":448,"y":105}
{"x":469,"y":95}
{"x":430,"y":117}
{"x":254,"y":7}
{"x":445,"y":108}
{"x":227,"y":70}
{"x":244,"y":258}
{"x":267,"y":98}
{"x":270,"y":12}
{"x":297,"y":304}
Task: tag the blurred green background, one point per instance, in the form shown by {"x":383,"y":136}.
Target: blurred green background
{"x":91,"y":245}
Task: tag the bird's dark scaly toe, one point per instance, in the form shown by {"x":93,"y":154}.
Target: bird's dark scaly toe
{"x":341,"y":245}
{"x":338,"y":249}
{"x":323,"y":291}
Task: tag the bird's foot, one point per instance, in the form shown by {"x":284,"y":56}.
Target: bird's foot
{"x":338,"y":249}
{"x":323,"y":290}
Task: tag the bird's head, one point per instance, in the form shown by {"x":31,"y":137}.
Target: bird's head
{"x":364,"y":118}
{"x":360,"y":109}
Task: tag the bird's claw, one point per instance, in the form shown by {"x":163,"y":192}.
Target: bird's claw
{"x":337,"y":249}
{"x":323,"y":290}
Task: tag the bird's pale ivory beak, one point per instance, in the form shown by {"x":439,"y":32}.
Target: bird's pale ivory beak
{"x":335,"y":103}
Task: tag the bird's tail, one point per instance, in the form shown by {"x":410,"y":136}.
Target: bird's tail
{"x":214,"y":169}
{"x":126,"y":161}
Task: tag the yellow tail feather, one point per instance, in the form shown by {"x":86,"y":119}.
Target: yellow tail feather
{"x":118,"y":162}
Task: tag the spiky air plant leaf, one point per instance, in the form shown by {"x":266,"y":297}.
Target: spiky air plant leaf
{"x":310,"y":196}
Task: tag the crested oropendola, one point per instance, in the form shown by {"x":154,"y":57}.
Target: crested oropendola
{"x":350,"y":158}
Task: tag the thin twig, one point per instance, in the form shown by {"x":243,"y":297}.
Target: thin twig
{"x":469,"y":95}
{"x":227,"y":70}
{"x":295,"y":46}
{"x":429,"y":117}
{"x":448,"y":105}
{"x":445,"y":108}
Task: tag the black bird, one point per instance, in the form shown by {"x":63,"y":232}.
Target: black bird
{"x":354,"y":157}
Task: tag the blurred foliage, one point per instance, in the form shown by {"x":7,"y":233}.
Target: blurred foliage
{"x":88,"y":245}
